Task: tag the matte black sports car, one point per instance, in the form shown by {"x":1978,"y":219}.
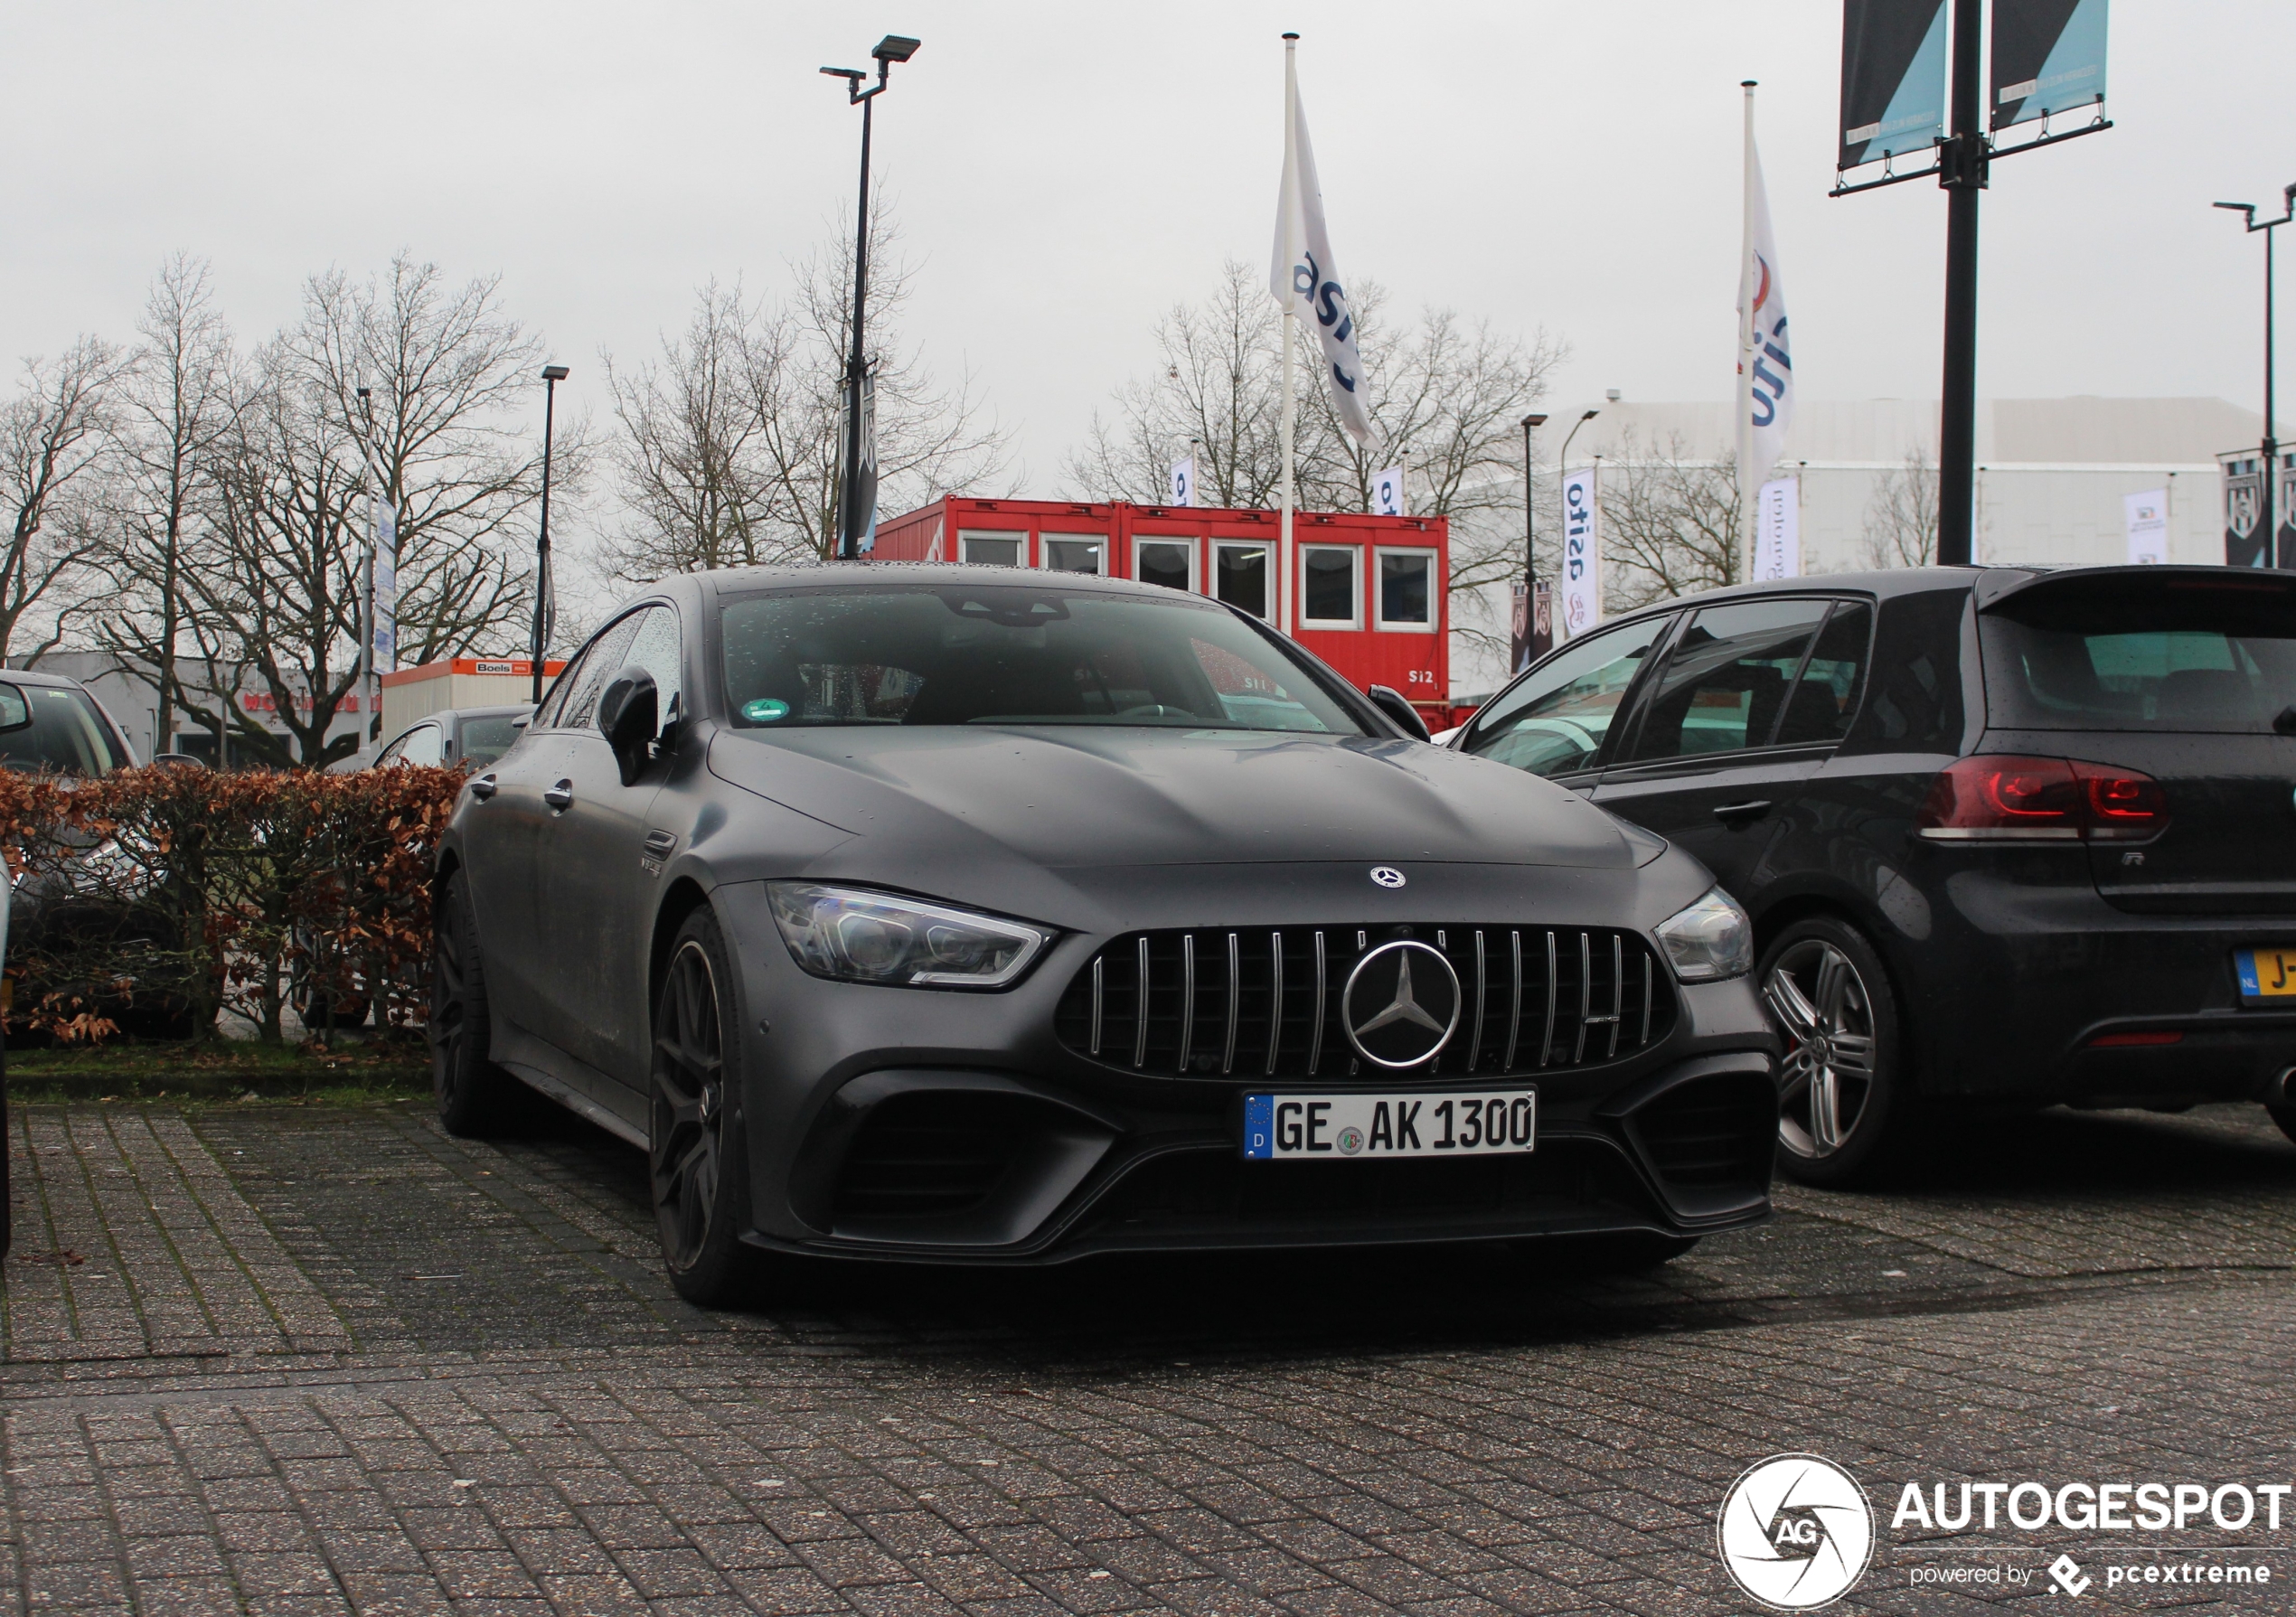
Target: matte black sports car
{"x":984,"y":915}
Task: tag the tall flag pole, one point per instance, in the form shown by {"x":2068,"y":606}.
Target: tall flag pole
{"x":1766,"y":349}
{"x":1305,"y":277}
{"x":1287,"y":252}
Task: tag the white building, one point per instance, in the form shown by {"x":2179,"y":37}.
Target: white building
{"x":2051,"y":475}
{"x":130,"y":700}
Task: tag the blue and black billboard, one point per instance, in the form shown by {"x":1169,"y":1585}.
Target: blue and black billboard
{"x":1892,"y":77}
{"x":2048,"y":56}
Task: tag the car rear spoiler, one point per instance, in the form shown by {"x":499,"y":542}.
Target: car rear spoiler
{"x":1997,"y":586}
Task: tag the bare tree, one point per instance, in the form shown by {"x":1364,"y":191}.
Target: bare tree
{"x":178,"y":404}
{"x":273,"y":594}
{"x":1670,"y":523}
{"x":1447,"y":397}
{"x":451,"y":378}
{"x":1901,"y":515}
{"x":729,"y":442}
{"x":52,"y":441}
{"x":1220,"y":389}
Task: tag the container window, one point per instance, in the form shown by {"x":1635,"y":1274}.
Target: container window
{"x":1075,"y":553}
{"x":1328,"y":592}
{"x":992,"y":550}
{"x":1407,"y":589}
{"x":1240,"y":576}
{"x":1170,"y":562}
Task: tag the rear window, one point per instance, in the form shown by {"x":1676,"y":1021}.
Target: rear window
{"x":485,"y":739}
{"x":2142,"y":654}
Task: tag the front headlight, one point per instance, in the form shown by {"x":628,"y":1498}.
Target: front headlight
{"x":1710,"y":940}
{"x":855,"y":936}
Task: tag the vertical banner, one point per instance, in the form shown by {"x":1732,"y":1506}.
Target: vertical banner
{"x":386,"y":601}
{"x":1777,"y":530}
{"x":1532,"y":626}
{"x":1183,"y":483}
{"x":2048,"y":56}
{"x":1386,"y":493}
{"x":1892,"y":77}
{"x":2245,"y":543}
{"x":2147,"y":520}
{"x":1582,"y":552}
{"x":1542,"y":619}
{"x":2287,"y":512}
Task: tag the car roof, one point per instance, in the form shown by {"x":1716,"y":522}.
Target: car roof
{"x":29,"y":676}
{"x":497,"y":710}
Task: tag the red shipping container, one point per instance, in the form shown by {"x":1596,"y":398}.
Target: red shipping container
{"x":1369,"y":595}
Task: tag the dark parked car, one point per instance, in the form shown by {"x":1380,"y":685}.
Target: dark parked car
{"x":2009,"y":835}
{"x":958,"y":914}
{"x":474,"y":736}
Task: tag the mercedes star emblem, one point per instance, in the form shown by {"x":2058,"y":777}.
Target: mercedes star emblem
{"x":1393,"y":1018}
{"x":1387,"y":876}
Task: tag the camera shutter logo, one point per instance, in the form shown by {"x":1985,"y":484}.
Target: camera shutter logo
{"x":1797,"y":1532}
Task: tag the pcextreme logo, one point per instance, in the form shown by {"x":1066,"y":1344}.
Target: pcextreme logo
{"x":1796,"y":1532}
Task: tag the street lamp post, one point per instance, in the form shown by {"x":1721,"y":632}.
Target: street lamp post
{"x":1563,"y":460}
{"x":552,"y":376}
{"x":889,"y":50}
{"x":2268,"y":493}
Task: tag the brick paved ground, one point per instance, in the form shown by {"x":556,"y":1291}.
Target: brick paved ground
{"x":327,"y":1362}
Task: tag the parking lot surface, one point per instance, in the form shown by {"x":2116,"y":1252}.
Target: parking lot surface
{"x":288,"y":1361}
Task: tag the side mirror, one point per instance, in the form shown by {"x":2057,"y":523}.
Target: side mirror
{"x":628,"y":712}
{"x":1398,"y":711}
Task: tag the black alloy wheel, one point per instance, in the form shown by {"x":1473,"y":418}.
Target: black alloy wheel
{"x":695,"y":1156}
{"x":475,"y":1097}
{"x":2286,"y":1117}
{"x":1840,"y":1096}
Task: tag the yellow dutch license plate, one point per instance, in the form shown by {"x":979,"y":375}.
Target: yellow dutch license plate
{"x":2266,"y":973}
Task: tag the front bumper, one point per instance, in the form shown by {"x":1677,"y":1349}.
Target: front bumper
{"x":952,"y":1127}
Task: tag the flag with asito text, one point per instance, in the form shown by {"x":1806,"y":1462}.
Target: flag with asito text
{"x":1305,"y":277}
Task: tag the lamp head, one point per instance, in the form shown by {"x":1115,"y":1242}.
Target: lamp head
{"x":2249,"y":208}
{"x":1591,"y":414}
{"x":553,"y":374}
{"x":893,"y":47}
{"x":1534,"y":420}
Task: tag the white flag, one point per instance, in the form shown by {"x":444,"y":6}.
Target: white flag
{"x":1777,"y":530}
{"x":385,"y":626}
{"x":1582,"y":553}
{"x":1386,"y":494}
{"x":1184,"y":482}
{"x":1306,"y":278}
{"x":2148,"y":519}
{"x":1765,"y":353}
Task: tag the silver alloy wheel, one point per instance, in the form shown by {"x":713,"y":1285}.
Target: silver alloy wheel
{"x":1820,"y":1006}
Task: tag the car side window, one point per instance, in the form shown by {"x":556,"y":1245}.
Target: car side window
{"x":600,"y":663}
{"x":426,"y":744}
{"x":1825,"y":698}
{"x":1554,"y":720}
{"x":654,"y":648}
{"x":1725,"y":683}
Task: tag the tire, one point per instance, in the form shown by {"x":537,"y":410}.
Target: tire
{"x":697,"y":1161}
{"x":1844,"y":1106}
{"x":475,"y":1097}
{"x":2286,"y":1117}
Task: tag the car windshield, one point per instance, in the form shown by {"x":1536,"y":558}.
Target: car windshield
{"x":54,"y":728}
{"x":2126,"y":652}
{"x":485,"y":739}
{"x":929,"y":654}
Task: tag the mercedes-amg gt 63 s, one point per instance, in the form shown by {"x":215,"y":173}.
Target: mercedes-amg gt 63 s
{"x":979,"y":915}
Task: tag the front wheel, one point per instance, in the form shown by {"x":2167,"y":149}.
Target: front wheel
{"x":696,"y":1162}
{"x":1842,"y":1101}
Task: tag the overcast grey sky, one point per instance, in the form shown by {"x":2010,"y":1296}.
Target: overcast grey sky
{"x":1064,"y":172}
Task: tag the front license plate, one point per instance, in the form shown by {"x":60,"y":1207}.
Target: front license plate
{"x":2266,"y":973}
{"x":1328,"y":1127}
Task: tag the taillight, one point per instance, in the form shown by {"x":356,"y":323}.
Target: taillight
{"x":2004,"y":797}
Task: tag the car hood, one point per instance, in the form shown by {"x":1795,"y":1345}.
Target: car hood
{"x":1070,"y":797}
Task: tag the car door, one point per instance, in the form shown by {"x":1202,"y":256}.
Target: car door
{"x":1556,"y":719}
{"x":1754,"y":696}
{"x":502,"y":838}
{"x":593,"y":882}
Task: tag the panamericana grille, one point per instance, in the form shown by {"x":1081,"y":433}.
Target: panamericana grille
{"x":1265,"y":1002}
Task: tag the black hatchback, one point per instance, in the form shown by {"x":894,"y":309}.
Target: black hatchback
{"x":2009,"y":835}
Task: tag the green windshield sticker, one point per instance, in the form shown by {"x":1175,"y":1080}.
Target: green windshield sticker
{"x":765,"y":709}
